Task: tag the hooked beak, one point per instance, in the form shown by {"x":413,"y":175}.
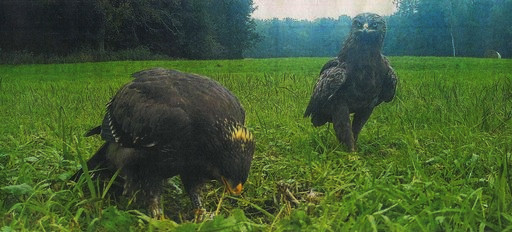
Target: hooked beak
{"x":365,"y":28}
{"x":236,"y":190}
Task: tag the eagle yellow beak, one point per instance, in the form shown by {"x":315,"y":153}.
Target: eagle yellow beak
{"x":236,"y":190}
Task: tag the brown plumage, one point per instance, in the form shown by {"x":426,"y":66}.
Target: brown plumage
{"x":356,"y":81}
{"x":166,"y":123}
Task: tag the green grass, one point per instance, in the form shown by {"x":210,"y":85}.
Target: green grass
{"x":438,"y":157}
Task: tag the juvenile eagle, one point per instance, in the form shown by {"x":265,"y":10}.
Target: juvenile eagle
{"x":167,"y":123}
{"x":356,"y":81}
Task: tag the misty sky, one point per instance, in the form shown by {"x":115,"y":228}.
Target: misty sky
{"x":312,"y":9}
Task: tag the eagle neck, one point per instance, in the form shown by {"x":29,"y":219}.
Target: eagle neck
{"x":360,"y":55}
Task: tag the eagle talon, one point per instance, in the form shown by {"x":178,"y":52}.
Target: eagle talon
{"x":200,"y":214}
{"x":157,"y":213}
{"x":155,"y":209}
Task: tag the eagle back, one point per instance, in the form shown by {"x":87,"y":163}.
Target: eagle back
{"x":161,"y":108}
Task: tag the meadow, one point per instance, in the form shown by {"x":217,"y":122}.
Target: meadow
{"x":437,"y":158}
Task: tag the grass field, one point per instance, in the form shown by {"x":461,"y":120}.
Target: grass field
{"x":437,"y":158}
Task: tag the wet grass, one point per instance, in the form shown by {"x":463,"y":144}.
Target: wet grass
{"x":438,"y":157}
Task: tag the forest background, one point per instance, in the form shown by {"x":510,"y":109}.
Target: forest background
{"x":42,"y":31}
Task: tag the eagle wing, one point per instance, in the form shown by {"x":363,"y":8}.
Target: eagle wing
{"x":163,"y":108}
{"x":388,"y":83}
{"x":146,"y":113}
{"x":332,"y":77}
{"x":330,"y":64}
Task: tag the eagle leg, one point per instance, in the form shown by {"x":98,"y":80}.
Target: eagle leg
{"x":154,"y":205}
{"x":192,"y":186}
{"x":150,"y":187}
{"x":359,"y":120}
{"x":341,"y":122}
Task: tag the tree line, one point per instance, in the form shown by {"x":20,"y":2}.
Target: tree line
{"x":194,"y":29}
{"x":224,"y":29}
{"x":450,"y":28}
{"x":417,"y":28}
{"x":291,"y":38}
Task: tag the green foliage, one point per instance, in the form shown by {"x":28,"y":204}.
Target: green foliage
{"x":290,"y":37}
{"x":237,"y":221}
{"x":20,"y":189}
{"x":63,"y":31}
{"x":418,"y":28}
{"x":112,"y":219}
{"x":196,"y":29}
{"x":449,"y":28}
{"x":437,"y":158}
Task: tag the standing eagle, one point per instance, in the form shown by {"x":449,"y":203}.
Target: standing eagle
{"x":167,"y":123}
{"x":356,"y":81}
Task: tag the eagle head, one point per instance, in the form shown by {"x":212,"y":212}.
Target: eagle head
{"x":236,"y":159}
{"x":368,"y":29}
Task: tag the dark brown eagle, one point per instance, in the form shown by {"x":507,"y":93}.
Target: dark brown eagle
{"x":356,"y":81}
{"x":167,"y":123}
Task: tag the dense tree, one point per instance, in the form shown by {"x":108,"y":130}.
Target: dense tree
{"x":447,"y":28}
{"x":500,"y":36}
{"x":178,"y":28}
{"x":210,"y":29}
{"x":418,"y":27}
{"x":197,"y":39}
{"x":233,"y":25}
{"x":51,"y":27}
{"x":290,"y":37}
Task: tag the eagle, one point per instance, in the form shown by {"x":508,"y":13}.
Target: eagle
{"x":355,"y":82}
{"x":167,"y":123}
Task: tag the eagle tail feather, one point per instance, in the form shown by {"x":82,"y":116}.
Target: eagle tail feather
{"x":93,"y":131}
{"x":96,"y":162}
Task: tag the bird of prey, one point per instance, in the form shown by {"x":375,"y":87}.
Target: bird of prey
{"x":355,"y":82}
{"x":167,"y":123}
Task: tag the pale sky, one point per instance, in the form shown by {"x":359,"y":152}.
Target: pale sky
{"x":312,"y":9}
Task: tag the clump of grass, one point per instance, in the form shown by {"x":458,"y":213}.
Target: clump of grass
{"x":436,"y":158}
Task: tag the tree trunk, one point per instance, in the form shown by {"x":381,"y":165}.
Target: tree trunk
{"x":453,"y":43}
